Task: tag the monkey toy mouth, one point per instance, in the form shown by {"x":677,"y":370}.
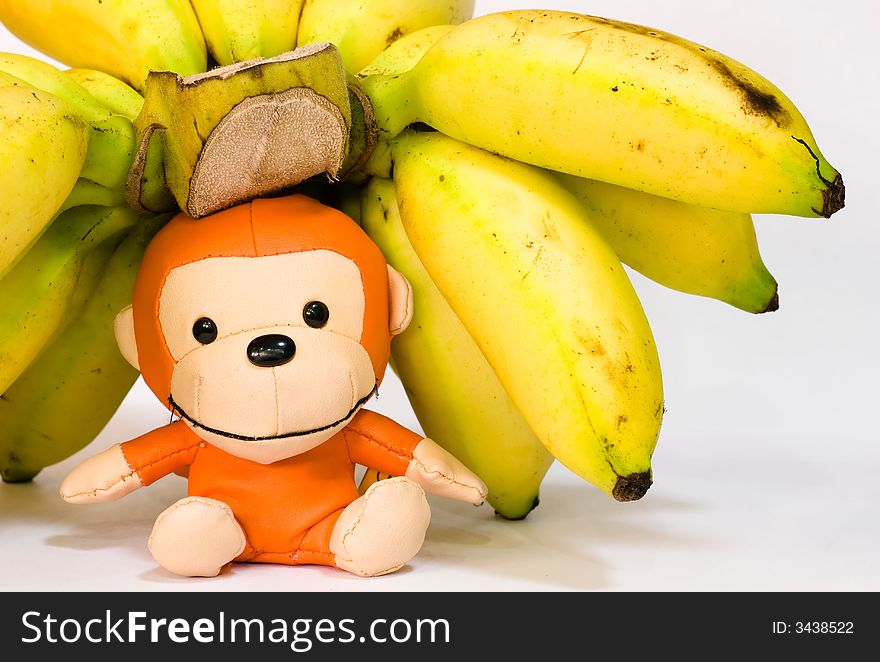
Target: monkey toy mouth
{"x":175,"y":408}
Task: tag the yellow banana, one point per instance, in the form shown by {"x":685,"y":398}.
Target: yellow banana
{"x":545,"y":299}
{"x":43,"y":145}
{"x":401,"y":56}
{"x":692,"y":249}
{"x":37,"y":292}
{"x":362,"y":29}
{"x":112,"y":140}
{"x":456,"y":396}
{"x":404,"y":53}
{"x":64,"y":399}
{"x":125,"y":38}
{"x":615,"y":102}
{"x":110,"y":92}
{"x":238,"y":30}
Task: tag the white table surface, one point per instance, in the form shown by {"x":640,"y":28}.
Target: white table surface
{"x":766,"y":475}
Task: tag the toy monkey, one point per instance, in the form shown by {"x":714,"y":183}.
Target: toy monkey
{"x":265,"y":328}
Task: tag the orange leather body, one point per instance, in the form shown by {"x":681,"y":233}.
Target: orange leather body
{"x":287,"y":509}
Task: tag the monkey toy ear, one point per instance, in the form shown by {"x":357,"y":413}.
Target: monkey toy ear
{"x":123,"y":328}
{"x":400,"y":302}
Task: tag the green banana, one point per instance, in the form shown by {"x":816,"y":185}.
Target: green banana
{"x":238,"y":30}
{"x":125,"y":38}
{"x":117,"y":97}
{"x":361,"y":29}
{"x":619,"y":103}
{"x":38,"y":291}
{"x":64,"y":399}
{"x":697,"y":250}
{"x":43,"y":145}
{"x":456,"y":396}
{"x":112,"y":139}
{"x":545,"y":299}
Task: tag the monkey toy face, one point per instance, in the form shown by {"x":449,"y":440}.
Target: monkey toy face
{"x":265,"y":327}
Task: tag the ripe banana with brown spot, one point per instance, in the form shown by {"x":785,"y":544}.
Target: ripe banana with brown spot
{"x":615,"y":102}
{"x":546,"y":300}
{"x":459,"y":401}
{"x":362,"y":29}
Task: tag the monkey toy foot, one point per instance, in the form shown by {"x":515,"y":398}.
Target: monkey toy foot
{"x":196,"y":537}
{"x":380,"y":531}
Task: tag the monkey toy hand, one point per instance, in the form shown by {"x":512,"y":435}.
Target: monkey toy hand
{"x":439,"y":472}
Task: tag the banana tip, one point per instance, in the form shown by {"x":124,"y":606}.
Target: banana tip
{"x":632,"y":487}
{"x":833,"y":197}
{"x":773,"y":304}
{"x":10,"y":475}
{"x":517,"y":516}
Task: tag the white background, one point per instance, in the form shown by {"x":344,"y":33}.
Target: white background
{"x":766,"y":475}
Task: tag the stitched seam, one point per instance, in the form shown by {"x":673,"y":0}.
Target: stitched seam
{"x":345,"y":432}
{"x":351,"y":414}
{"x":99,"y":490}
{"x":387,"y":570}
{"x":405,"y":310}
{"x":194,"y":499}
{"x":134,"y":472}
{"x":384,"y":445}
{"x":436,"y":472}
{"x":199,"y":383}
{"x":170,"y":455}
{"x":277,"y":402}
{"x":369,"y":494}
{"x":261,"y":328}
{"x":351,"y":530}
{"x":224,"y":508}
{"x":330,"y":556}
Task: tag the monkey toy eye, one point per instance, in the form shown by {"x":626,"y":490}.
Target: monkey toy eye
{"x":316,"y":314}
{"x":204,"y":330}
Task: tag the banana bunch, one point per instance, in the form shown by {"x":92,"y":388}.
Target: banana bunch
{"x":68,"y":256}
{"x":523,"y":157}
{"x":508,"y":165}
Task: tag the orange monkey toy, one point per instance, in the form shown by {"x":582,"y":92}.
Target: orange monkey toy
{"x":265,"y":328}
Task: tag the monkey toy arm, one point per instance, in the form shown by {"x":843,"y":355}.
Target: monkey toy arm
{"x":379,"y":443}
{"x":123,"y":468}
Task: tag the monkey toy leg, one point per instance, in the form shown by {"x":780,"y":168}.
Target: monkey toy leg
{"x":380,"y":531}
{"x":196,"y":537}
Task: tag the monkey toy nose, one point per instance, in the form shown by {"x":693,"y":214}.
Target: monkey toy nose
{"x":271,"y":350}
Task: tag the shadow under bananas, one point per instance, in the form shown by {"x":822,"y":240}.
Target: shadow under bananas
{"x":577,"y":539}
{"x":567,"y":541}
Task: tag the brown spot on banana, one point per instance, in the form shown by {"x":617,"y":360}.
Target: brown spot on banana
{"x":756,"y":102}
{"x":395,"y":34}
